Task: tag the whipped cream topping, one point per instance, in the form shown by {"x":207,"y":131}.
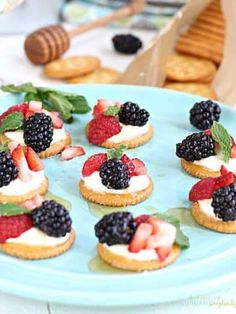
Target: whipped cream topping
{"x":207,"y":209}
{"x":214,"y":163}
{"x":129,"y":132}
{"x":122,"y":250}
{"x":18,"y":187}
{"x":36,"y":237}
{"x":94,"y":182}
{"x":17,"y":136}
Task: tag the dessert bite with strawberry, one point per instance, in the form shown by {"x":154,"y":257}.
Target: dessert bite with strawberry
{"x":138,"y":244}
{"x":214,"y":202}
{"x":39,"y":232}
{"x":114,"y":123}
{"x":21,"y":174}
{"x":30,"y":125}
{"x":202,"y":154}
{"x":114,"y":179}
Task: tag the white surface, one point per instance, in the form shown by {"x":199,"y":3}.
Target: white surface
{"x":14,"y":68}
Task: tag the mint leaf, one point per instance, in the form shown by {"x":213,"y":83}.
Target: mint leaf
{"x":60,"y":104}
{"x":222,"y":137}
{"x":9,"y":209}
{"x":79,"y":103}
{"x":4,"y":148}
{"x":112,"y":111}
{"x":32,"y":96}
{"x":23,"y":88}
{"x":116,"y":152}
{"x":181,"y":239}
{"x":12,"y":122}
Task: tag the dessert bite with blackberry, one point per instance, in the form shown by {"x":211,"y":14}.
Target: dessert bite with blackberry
{"x":138,"y":244}
{"x":214,"y":202}
{"x":36,"y":229}
{"x":114,"y":179}
{"x":202,"y":154}
{"x":114,"y":123}
{"x":21,"y":174}
{"x":30,"y":125}
{"x":126,"y":43}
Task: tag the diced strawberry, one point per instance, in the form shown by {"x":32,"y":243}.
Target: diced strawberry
{"x":139,"y":167}
{"x":33,"y":160}
{"x":140,"y":237}
{"x":14,"y":226}
{"x":33,"y":203}
{"x":155,"y":223}
{"x":93,"y":164}
{"x":202,"y":190}
{"x":102,"y":105}
{"x":207,"y":132}
{"x":12,"y":145}
{"x":71,"y":152}
{"x":57,"y":122}
{"x":164,"y":251}
{"x":223,"y":170}
{"x":141,"y":218}
{"x":126,"y":160}
{"x":224,"y":180}
{"x":233,"y":152}
{"x":28,"y":113}
{"x":35,"y":106}
{"x":17,"y":108}
{"x":21,"y":163}
{"x":233,"y":141}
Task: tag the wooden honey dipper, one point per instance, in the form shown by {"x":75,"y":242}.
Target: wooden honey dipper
{"x":49,"y":43}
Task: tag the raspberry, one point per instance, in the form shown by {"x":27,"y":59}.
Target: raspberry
{"x":202,"y":190}
{"x":14,"y":226}
{"x":101,"y":128}
{"x":93,"y":164}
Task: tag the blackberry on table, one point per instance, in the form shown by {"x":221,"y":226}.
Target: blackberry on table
{"x":116,"y":228}
{"x":130,"y":113}
{"x":52,"y":218}
{"x":8,"y":170}
{"x":126,"y":43}
{"x":114,"y":174}
{"x":38,"y":132}
{"x":204,"y":113}
{"x":195,"y":147}
{"x":224,"y":202}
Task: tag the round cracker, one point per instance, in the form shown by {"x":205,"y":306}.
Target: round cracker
{"x":198,"y":171}
{"x":71,"y":67}
{"x":122,"y":262}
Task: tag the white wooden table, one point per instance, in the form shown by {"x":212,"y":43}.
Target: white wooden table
{"x":14,"y":68}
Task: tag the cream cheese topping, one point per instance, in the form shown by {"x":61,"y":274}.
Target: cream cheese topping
{"x":122,"y":250}
{"x":17,"y":136}
{"x":19,"y":187}
{"x":36,"y":237}
{"x":137,"y":183}
{"x":214,"y":163}
{"x":207,"y":209}
{"x":129,"y":132}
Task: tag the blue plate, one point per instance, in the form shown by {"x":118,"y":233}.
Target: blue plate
{"x":78,"y":277}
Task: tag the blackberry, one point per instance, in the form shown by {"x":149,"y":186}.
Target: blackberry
{"x":38,"y":132}
{"x":224,"y":202}
{"x":114,"y":174}
{"x":195,"y":147}
{"x":126,"y":43}
{"x":52,"y":218}
{"x":130,"y":113}
{"x":116,"y":228}
{"x":8,"y":170}
{"x":204,"y":113}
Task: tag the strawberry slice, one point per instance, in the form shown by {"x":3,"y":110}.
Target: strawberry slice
{"x":57,"y":122}
{"x":140,"y":219}
{"x":155,"y":223}
{"x":71,"y":152}
{"x":93,"y":164}
{"x":224,"y":180}
{"x":223,"y":170}
{"x":207,"y":132}
{"x":35,"y":106}
{"x":102,"y":105}
{"x":140,"y":237}
{"x":21,"y":163}
{"x":233,"y":152}
{"x":33,"y":160}
{"x":12,"y":145}
{"x":139,"y":167}
{"x":202,"y":190}
{"x":126,"y":160}
{"x":17,"y":108}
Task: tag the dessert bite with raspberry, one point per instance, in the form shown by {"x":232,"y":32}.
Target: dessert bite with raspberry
{"x":214,"y":202}
{"x":41,"y":230}
{"x":202,"y":154}
{"x":30,"y":125}
{"x":114,"y":123}
{"x":21,"y":174}
{"x":138,"y":244}
{"x":115,"y":179}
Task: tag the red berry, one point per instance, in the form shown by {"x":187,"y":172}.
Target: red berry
{"x":142,"y":218}
{"x":56,"y":120}
{"x":223,"y":170}
{"x":224,"y":180}
{"x":102,"y":128}
{"x":14,"y":226}
{"x":126,"y":160}
{"x":233,"y":152}
{"x":93,"y":164}
{"x":71,"y":152}
{"x":35,"y":106}
{"x":21,"y":163}
{"x":140,"y":238}
{"x":101,"y":106}
{"x":17,"y":108}
{"x":207,"y":132}
{"x":202,"y":190}
{"x":33,"y":160}
{"x":139,"y":167}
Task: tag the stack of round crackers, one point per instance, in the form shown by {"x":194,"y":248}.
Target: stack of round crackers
{"x":80,"y":69}
{"x":200,"y":51}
